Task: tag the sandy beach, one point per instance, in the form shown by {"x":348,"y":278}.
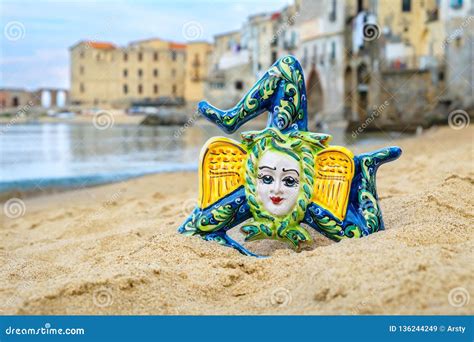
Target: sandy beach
{"x":114,"y":249}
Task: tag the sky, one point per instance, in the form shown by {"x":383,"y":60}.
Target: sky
{"x":36,"y":34}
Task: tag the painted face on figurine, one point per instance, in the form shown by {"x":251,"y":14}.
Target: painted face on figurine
{"x":278,"y":182}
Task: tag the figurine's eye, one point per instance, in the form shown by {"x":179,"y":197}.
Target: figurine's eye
{"x":266,"y":179}
{"x":290,"y":181}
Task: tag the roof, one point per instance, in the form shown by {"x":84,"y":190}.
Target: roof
{"x":229,"y":33}
{"x":173,"y":45}
{"x":138,"y":41}
{"x":95,"y":45}
{"x":276,"y":15}
{"x":100,"y":45}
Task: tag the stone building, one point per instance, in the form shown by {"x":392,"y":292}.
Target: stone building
{"x":241,"y":57}
{"x":322,"y":52}
{"x":198,"y":56}
{"x":230,"y":73}
{"x":259,"y":37}
{"x":414,"y":68}
{"x":458,"y":44}
{"x":153,"y":71}
{"x":13,"y":98}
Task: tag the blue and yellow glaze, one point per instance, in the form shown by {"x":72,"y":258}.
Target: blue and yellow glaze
{"x":337,"y":196}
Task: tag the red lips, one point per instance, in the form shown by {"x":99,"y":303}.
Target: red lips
{"x":276,"y":199}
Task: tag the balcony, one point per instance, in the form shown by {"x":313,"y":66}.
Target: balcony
{"x":412,"y":62}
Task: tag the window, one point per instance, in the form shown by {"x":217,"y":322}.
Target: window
{"x":125,"y":72}
{"x":441,"y":76}
{"x":305,"y":57}
{"x":140,"y":56}
{"x":155,"y":56}
{"x":140,"y":89}
{"x":314,"y":59}
{"x":173,"y":89}
{"x":456,"y":4}
{"x":173,"y":72}
{"x":155,"y":89}
{"x":173,"y":56}
{"x":332,"y":12}
{"x":81,"y":54}
{"x":406,"y":5}
{"x":81,"y":70}
{"x":196,"y":62}
{"x":239,"y":85}
{"x":140,"y":72}
{"x":125,"y":56}
{"x":333,"y":52}
{"x":155,"y":72}
{"x":217,"y":85}
{"x":125,"y":89}
{"x":274,"y":56}
{"x":82,"y":89}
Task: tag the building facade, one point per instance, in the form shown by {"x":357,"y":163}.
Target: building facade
{"x":13,"y":98}
{"x":322,"y":52}
{"x":154,"y":71}
{"x":230,"y":73}
{"x":416,"y":68}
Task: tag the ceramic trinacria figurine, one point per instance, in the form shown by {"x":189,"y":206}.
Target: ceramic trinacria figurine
{"x":282,"y":177}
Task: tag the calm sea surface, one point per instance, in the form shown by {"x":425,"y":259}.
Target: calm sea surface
{"x":39,"y":156}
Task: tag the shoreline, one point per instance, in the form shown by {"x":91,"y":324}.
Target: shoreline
{"x":92,"y":178}
{"x":118,"y":243}
{"x":34,"y":187}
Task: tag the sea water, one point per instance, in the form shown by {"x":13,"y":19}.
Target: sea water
{"x":72,"y":155}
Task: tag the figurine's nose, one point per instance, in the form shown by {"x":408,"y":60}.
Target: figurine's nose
{"x":277,"y":187}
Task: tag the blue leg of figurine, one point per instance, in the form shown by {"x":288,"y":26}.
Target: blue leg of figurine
{"x":213,"y":222}
{"x":364,"y":198}
{"x":281,"y":91}
{"x":225,"y":240}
